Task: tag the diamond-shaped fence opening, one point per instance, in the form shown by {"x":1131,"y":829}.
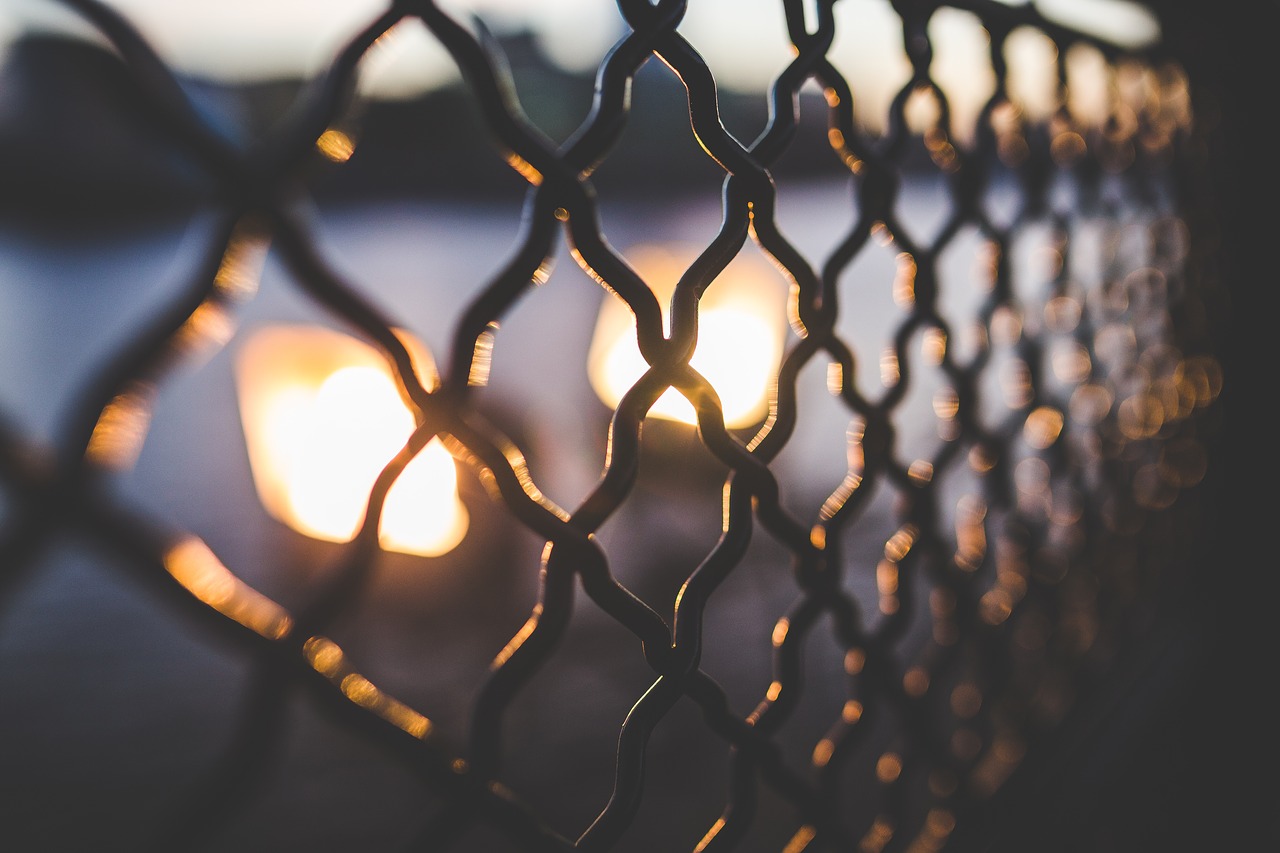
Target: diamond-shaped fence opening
{"x":642,"y":427}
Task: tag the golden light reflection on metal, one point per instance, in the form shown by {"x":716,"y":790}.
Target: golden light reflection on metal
{"x":1006,"y":326}
{"x":801,"y":840}
{"x":981,"y":459}
{"x":328,"y":659}
{"x":889,"y":767}
{"x":1011,"y":576}
{"x":482,"y":358}
{"x":940,"y":822}
{"x":933,"y":346}
{"x":1199,"y":379}
{"x":887,"y":585}
{"x":920,"y":472}
{"x":1090,"y":404}
{"x":780,"y":630}
{"x":240,"y":270}
{"x":1048,"y":259}
{"x":526,"y":630}
{"x":822,"y":752}
{"x":995,"y":606}
{"x":881,"y":233}
{"x":986,"y":264}
{"x":900,"y":543}
{"x":500,"y":790}
{"x":209,"y":324}
{"x":835,"y":378}
{"x":708,"y":839}
{"x":1147,"y":285}
{"x":1071,"y":362}
{"x":322,"y":417}
{"x":1067,"y":147}
{"x":915,"y":683}
{"x":1062,"y":314}
{"x":904,"y":281}
{"x":336,"y":145}
{"x":526,"y":169}
{"x":1115,"y":344}
{"x":201,"y":573}
{"x":890,"y":372}
{"x":324,"y":655}
{"x":359,"y":689}
{"x":1032,"y":478}
{"x":1174,"y":112}
{"x":1141,"y":416}
{"x":1008,"y":123}
{"x":1166,"y":391}
{"x":1067,"y":508}
{"x":877,"y":836}
{"x":940,"y":149}
{"x":117,"y":438}
{"x":938,"y":826}
{"x":1000,"y":760}
{"x":854,"y":661}
{"x":971,"y":533}
{"x":852,"y":479}
{"x":942,"y":783}
{"x":1120,"y":154}
{"x":979,"y":340}
{"x":1016,"y":384}
{"x":1042,"y":427}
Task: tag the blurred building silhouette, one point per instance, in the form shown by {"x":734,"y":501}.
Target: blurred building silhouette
{"x":76,"y":137}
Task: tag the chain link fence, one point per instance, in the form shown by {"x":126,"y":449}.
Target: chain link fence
{"x":1024,"y":441}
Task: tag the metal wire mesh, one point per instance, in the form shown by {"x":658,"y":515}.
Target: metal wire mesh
{"x":1013,"y":558}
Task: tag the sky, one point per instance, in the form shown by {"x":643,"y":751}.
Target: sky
{"x":743,"y":41}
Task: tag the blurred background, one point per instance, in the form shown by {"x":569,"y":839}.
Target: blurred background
{"x":114,"y":708}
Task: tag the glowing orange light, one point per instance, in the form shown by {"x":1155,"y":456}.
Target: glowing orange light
{"x":915,"y":682}
{"x":322,"y":417}
{"x":877,"y":836}
{"x":1042,"y":427}
{"x":193,"y":565}
{"x":888,"y":767}
{"x":805,"y":834}
{"x":336,"y":145}
{"x":741,"y":327}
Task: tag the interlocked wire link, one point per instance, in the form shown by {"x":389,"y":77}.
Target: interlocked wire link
{"x":1072,"y":423}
